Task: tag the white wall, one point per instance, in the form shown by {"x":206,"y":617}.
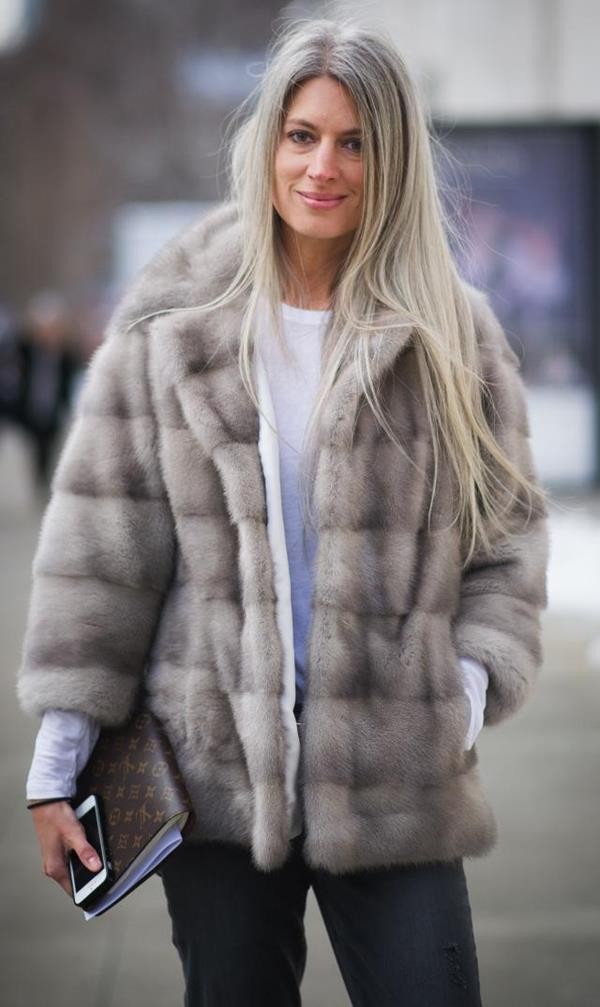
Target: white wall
{"x":498,"y":58}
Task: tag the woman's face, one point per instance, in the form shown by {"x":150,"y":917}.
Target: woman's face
{"x":318,"y":170}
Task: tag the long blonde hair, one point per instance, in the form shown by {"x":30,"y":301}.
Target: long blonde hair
{"x":399,"y":263}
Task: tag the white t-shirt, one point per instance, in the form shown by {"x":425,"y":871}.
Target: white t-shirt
{"x":293,"y":385}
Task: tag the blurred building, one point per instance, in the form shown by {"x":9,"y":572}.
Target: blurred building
{"x":113,"y":117}
{"x":104,"y":105}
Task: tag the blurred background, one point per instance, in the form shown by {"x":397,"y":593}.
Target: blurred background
{"x":112,"y":117}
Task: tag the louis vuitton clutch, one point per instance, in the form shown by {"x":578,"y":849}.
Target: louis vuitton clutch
{"x":145,"y":803}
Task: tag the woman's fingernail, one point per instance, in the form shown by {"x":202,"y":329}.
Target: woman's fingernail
{"x":93,"y":861}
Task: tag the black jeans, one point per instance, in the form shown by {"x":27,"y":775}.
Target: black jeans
{"x":402,"y":936}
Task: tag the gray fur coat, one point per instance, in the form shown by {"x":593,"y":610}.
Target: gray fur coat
{"x":155,"y":562}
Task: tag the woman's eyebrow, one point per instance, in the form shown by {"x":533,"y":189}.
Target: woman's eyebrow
{"x":309,"y":125}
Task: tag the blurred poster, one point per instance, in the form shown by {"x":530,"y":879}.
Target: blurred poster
{"x":524,"y":209}
{"x":141,"y":229}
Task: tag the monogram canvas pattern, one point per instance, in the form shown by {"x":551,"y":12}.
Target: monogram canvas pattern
{"x":133,"y":770}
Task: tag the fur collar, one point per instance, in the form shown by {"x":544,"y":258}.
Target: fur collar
{"x":197,"y":265}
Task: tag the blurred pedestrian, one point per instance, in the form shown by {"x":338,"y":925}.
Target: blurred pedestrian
{"x":298,"y":509}
{"x":9,"y":368}
{"x":45,"y":364}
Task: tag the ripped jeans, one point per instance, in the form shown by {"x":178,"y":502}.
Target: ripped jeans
{"x":402,"y":936}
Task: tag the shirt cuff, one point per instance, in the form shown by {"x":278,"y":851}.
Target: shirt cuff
{"x":475,"y":681}
{"x":63,"y":746}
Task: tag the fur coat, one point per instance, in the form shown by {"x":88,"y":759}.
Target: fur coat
{"x":158,"y":561}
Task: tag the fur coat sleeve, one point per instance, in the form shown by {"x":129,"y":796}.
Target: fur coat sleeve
{"x":503,"y":590}
{"x":105,"y":553}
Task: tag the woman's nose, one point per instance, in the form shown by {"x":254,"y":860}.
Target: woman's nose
{"x":323,"y":164}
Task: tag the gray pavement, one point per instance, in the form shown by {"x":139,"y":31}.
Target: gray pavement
{"x":536,"y":898}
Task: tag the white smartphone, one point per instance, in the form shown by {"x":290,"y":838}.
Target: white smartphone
{"x":89,"y":884}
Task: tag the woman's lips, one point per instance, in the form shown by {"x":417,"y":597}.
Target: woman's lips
{"x":318,"y":202}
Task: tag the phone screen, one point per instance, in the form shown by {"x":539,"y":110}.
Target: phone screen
{"x":82,"y":876}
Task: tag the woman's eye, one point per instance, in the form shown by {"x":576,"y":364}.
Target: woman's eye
{"x":299,"y":136}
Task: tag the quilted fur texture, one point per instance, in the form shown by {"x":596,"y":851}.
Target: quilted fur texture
{"x":154,"y":563}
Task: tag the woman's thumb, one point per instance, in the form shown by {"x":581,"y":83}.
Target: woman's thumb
{"x":86,"y":853}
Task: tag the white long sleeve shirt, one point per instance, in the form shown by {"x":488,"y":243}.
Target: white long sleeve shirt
{"x":66,"y":738}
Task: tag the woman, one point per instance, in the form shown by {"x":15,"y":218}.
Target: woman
{"x":322,"y":634}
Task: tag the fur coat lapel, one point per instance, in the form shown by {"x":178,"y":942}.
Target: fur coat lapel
{"x":236,"y":437}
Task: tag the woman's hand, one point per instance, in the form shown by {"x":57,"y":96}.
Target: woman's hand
{"x":59,"y":831}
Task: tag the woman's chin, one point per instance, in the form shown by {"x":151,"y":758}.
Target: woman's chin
{"x":305,"y":226}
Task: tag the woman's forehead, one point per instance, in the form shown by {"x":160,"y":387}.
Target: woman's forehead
{"x":320,"y":101}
